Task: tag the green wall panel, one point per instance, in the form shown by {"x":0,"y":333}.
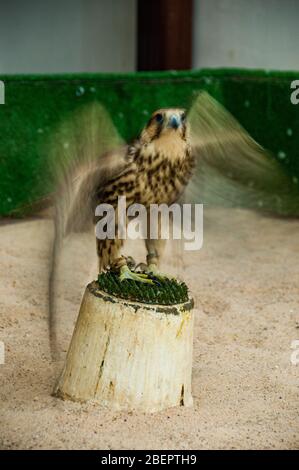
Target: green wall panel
{"x":34,"y":106}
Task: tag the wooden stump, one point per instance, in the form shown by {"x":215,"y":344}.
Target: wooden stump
{"x":129,"y":355}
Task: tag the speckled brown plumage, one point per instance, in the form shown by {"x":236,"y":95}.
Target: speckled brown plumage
{"x":159,"y":166}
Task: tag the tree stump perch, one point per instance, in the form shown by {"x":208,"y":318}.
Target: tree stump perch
{"x":129,"y":355}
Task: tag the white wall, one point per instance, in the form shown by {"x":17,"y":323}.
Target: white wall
{"x":246,"y":33}
{"x":48,"y":36}
{"x":42,"y":36}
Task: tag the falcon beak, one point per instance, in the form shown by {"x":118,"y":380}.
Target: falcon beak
{"x":174,"y":121}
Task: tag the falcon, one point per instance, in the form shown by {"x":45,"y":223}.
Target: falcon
{"x":200,"y":156}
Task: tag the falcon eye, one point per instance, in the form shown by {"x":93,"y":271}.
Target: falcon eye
{"x":183,"y":117}
{"x":159,"y":118}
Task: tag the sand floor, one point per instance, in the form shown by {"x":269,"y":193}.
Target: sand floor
{"x":245,"y":284}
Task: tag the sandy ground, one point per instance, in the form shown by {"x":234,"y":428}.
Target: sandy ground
{"x":245,"y":284}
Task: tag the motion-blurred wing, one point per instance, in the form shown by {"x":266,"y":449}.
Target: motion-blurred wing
{"x":232,"y":169}
{"x":84,"y":153}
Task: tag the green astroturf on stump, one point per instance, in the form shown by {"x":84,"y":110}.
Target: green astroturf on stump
{"x":36,"y":105}
{"x":162,"y":292}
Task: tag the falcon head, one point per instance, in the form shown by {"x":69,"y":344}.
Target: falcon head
{"x":165,"y":122}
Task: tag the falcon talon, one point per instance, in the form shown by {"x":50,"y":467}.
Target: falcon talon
{"x":131,"y":263}
{"x":126,"y":273}
{"x":141,"y":267}
{"x":152,"y":269}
